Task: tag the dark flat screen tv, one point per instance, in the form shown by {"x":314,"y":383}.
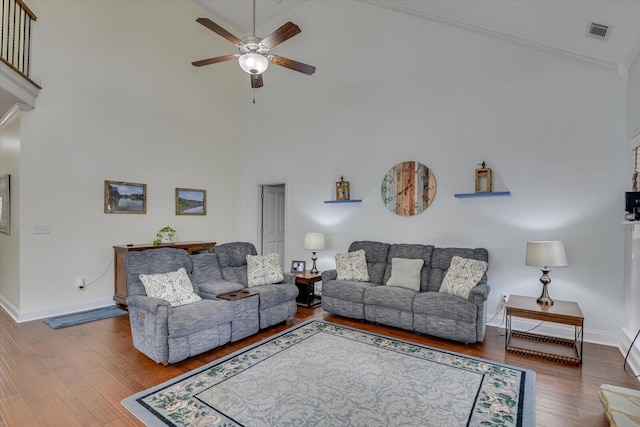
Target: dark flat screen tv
{"x":632,"y":201}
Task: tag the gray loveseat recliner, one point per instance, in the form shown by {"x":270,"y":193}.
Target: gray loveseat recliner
{"x":426,"y":311}
{"x":170,"y":334}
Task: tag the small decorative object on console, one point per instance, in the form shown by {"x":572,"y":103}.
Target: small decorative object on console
{"x":342,"y":189}
{"x":164,"y":235}
{"x":483,"y":179}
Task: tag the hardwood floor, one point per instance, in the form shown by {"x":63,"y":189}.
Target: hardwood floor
{"x":77,"y":376}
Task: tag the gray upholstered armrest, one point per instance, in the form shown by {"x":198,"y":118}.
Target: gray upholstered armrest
{"x":328,"y":275}
{"x":479,"y":293}
{"x":289,"y":278}
{"x":146,"y":303}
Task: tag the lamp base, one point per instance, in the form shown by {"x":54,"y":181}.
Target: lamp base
{"x":544,"y":298}
{"x":314,"y":270}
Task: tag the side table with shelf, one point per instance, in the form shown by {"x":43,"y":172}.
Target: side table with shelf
{"x":544,"y":346}
{"x":306,"y":289}
{"x":121,"y":290}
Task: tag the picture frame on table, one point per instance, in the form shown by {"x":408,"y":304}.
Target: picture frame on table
{"x":5,"y":204}
{"x":125,"y":197}
{"x":298,"y":266}
{"x":191,"y":201}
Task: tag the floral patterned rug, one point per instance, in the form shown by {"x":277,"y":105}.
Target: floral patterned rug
{"x":322,"y":374}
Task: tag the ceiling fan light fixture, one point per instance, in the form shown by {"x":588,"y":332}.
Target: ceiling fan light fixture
{"x":253,"y":63}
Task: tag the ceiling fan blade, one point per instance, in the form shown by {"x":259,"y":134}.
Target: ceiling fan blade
{"x":215,"y":60}
{"x":256,"y":80}
{"x":220,"y":31}
{"x":280,"y":35}
{"x":293,"y":65}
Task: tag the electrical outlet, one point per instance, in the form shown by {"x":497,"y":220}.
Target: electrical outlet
{"x":504,"y":298}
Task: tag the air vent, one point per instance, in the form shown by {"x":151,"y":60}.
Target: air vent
{"x":599,"y":31}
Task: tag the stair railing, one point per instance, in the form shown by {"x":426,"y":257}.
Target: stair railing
{"x":15,"y":35}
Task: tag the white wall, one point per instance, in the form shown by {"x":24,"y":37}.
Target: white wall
{"x":121,"y":101}
{"x":10,"y":244}
{"x":633,"y":99}
{"x":403,"y":88}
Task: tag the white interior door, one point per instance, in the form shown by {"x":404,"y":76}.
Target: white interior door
{"x":273,"y":229}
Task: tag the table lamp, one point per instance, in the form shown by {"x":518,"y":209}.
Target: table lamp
{"x":314,"y":242}
{"x":546,"y":254}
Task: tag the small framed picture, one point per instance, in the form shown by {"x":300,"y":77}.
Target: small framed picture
{"x":5,"y":204}
{"x":191,"y":202}
{"x":298,"y":266}
{"x":125,"y":197}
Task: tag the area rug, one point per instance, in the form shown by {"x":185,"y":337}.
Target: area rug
{"x":322,"y":374}
{"x":84,"y":317}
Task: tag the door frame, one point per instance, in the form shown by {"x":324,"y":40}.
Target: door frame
{"x":259,"y":237}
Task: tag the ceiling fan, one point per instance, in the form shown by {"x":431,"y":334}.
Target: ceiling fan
{"x":254,"y":55}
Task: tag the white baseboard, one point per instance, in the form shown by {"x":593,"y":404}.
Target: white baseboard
{"x":556,"y":330}
{"x":634,"y":357}
{"x":42,"y":313}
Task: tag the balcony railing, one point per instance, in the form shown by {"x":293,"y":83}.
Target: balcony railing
{"x":15,"y":36}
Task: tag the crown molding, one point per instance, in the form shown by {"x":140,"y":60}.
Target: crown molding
{"x":521,"y":41}
{"x":13,"y":112}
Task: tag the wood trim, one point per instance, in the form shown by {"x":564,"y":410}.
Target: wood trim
{"x":27,"y":10}
{"x":21,"y":73}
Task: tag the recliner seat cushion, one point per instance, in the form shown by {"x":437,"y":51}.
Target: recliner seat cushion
{"x":197,"y":316}
{"x":445,"y":306}
{"x":393,"y":297}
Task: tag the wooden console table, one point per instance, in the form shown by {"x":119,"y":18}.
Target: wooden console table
{"x":544,"y":346}
{"x":121,"y":290}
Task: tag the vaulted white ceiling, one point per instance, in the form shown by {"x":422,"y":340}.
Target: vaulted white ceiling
{"x":558,"y":25}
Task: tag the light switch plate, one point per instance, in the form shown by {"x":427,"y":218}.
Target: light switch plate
{"x":42,"y":229}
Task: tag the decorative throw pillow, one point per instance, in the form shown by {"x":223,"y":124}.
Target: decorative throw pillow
{"x":405,"y":273}
{"x":174,"y":287}
{"x":352,"y":266}
{"x":264,"y":269}
{"x":462,"y":276}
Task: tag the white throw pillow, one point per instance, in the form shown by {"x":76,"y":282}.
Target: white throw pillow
{"x":174,"y":287}
{"x":405,"y":273}
{"x":352,"y":266}
{"x":462,"y":276}
{"x":263,"y":269}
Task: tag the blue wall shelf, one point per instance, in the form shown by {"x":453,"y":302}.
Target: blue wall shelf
{"x":476,"y":195}
{"x":343,"y":201}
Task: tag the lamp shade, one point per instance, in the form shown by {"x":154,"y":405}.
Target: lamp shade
{"x":314,"y":241}
{"x":546,"y":254}
{"x":253,"y":63}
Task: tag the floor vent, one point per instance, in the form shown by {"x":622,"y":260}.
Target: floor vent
{"x":599,"y":31}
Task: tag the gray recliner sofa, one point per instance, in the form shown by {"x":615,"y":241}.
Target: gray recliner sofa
{"x":169,"y":334}
{"x":277,"y":301}
{"x":426,"y":311}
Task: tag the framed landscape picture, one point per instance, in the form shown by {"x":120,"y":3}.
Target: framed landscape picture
{"x":190,"y":201}
{"x":125,"y":197}
{"x":5,"y":204}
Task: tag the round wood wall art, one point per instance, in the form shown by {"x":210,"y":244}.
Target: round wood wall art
{"x":408,"y":188}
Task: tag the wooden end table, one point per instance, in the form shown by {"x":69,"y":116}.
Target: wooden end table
{"x":306,"y":290}
{"x":544,"y":346}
